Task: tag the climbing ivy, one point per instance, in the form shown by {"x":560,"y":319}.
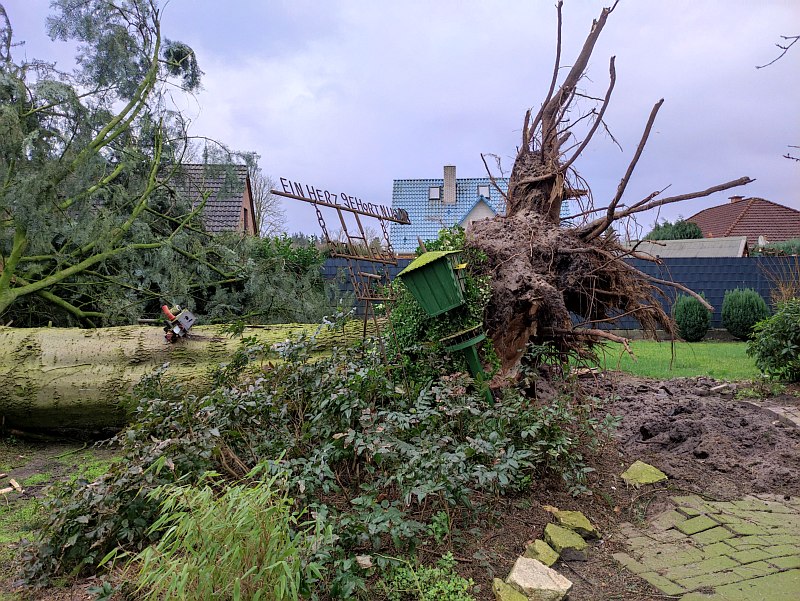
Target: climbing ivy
{"x":417,"y":335}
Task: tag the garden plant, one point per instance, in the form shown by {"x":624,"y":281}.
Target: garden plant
{"x":775,"y":343}
{"x":742,"y":308}
{"x":370,"y":457}
{"x":691,"y":317}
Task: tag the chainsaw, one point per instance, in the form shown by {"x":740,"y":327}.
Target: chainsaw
{"x":179,"y":325}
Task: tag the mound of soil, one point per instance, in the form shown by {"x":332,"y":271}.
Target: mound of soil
{"x":704,"y":439}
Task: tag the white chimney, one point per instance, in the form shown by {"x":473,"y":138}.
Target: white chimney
{"x":449,"y":197}
{"x":736,"y":199}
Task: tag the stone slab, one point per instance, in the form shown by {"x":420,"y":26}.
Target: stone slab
{"x":783,"y":586}
{"x":707,"y":566}
{"x":567,"y":543}
{"x":541,"y":551}
{"x":640,"y":473}
{"x":630,"y":563}
{"x":663,"y":584}
{"x":696,"y":524}
{"x":575,"y":520}
{"x":708,"y":537}
{"x":506,"y":592}
{"x":538,"y":582}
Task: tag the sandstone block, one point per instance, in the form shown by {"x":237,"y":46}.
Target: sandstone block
{"x":538,"y":582}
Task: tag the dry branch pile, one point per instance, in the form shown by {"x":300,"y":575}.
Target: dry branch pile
{"x":541,"y":272}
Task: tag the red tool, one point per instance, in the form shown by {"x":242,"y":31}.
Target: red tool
{"x":179,"y":325}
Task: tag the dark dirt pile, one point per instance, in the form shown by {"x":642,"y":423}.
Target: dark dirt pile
{"x":706,"y":439}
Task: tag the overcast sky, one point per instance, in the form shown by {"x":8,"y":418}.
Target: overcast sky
{"x":350,"y":95}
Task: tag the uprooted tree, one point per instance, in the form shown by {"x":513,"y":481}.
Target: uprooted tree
{"x":542,"y":272}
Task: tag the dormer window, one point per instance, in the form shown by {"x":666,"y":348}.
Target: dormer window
{"x":483,"y":190}
{"x":434,"y":193}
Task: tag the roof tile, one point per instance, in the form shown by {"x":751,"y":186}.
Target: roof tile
{"x":751,"y":217}
{"x":225,"y":187}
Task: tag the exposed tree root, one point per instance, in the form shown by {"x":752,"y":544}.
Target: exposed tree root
{"x":542,"y":274}
{"x":552,"y":284}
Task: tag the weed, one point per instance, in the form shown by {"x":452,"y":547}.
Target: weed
{"x":37,"y":479}
{"x":439,"y":528}
{"x":760,"y":388}
{"x":410,"y":582}
{"x":103,"y":592}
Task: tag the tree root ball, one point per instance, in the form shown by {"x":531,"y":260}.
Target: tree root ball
{"x":550,"y":285}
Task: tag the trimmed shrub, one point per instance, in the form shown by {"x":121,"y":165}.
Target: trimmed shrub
{"x":775,"y":344}
{"x":741,"y":310}
{"x":691,"y":317}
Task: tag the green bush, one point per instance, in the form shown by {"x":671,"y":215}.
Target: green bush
{"x":246,"y":543}
{"x":742,"y":308}
{"x":346,"y":425}
{"x":691,"y":317}
{"x":775,"y":344}
{"x":680,"y":230}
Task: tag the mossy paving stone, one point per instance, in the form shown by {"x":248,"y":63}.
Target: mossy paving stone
{"x":666,"y":520}
{"x":786,"y":563}
{"x":723,"y":548}
{"x":749,"y":556}
{"x":755,"y":570}
{"x":567,"y":543}
{"x":640,"y":473}
{"x":715,"y":535}
{"x":541,"y":551}
{"x":696,"y":524}
{"x":575,"y":520}
{"x":783,"y":586}
{"x":663,"y":584}
{"x":753,"y":555}
{"x":700,"y":568}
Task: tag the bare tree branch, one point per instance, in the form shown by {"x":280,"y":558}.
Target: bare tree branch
{"x":612,"y":73}
{"x":792,"y":39}
{"x":612,"y":206}
{"x":527,"y":133}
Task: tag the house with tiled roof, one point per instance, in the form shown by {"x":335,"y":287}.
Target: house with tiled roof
{"x":691,"y":248}
{"x":438,"y":203}
{"x":229,"y":206}
{"x":754,"y":218}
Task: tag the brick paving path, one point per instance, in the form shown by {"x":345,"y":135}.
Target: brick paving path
{"x":746,"y":550}
{"x":789,"y":414}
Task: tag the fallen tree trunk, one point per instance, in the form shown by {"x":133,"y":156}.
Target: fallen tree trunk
{"x":70,"y":380}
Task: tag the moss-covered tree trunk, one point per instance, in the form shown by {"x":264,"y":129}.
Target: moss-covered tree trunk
{"x":70,"y":379}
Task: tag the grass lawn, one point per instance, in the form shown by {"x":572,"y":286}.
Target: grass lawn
{"x":36,"y":466}
{"x":720,"y":360}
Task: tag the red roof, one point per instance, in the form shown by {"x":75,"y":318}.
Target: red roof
{"x":751,"y":217}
